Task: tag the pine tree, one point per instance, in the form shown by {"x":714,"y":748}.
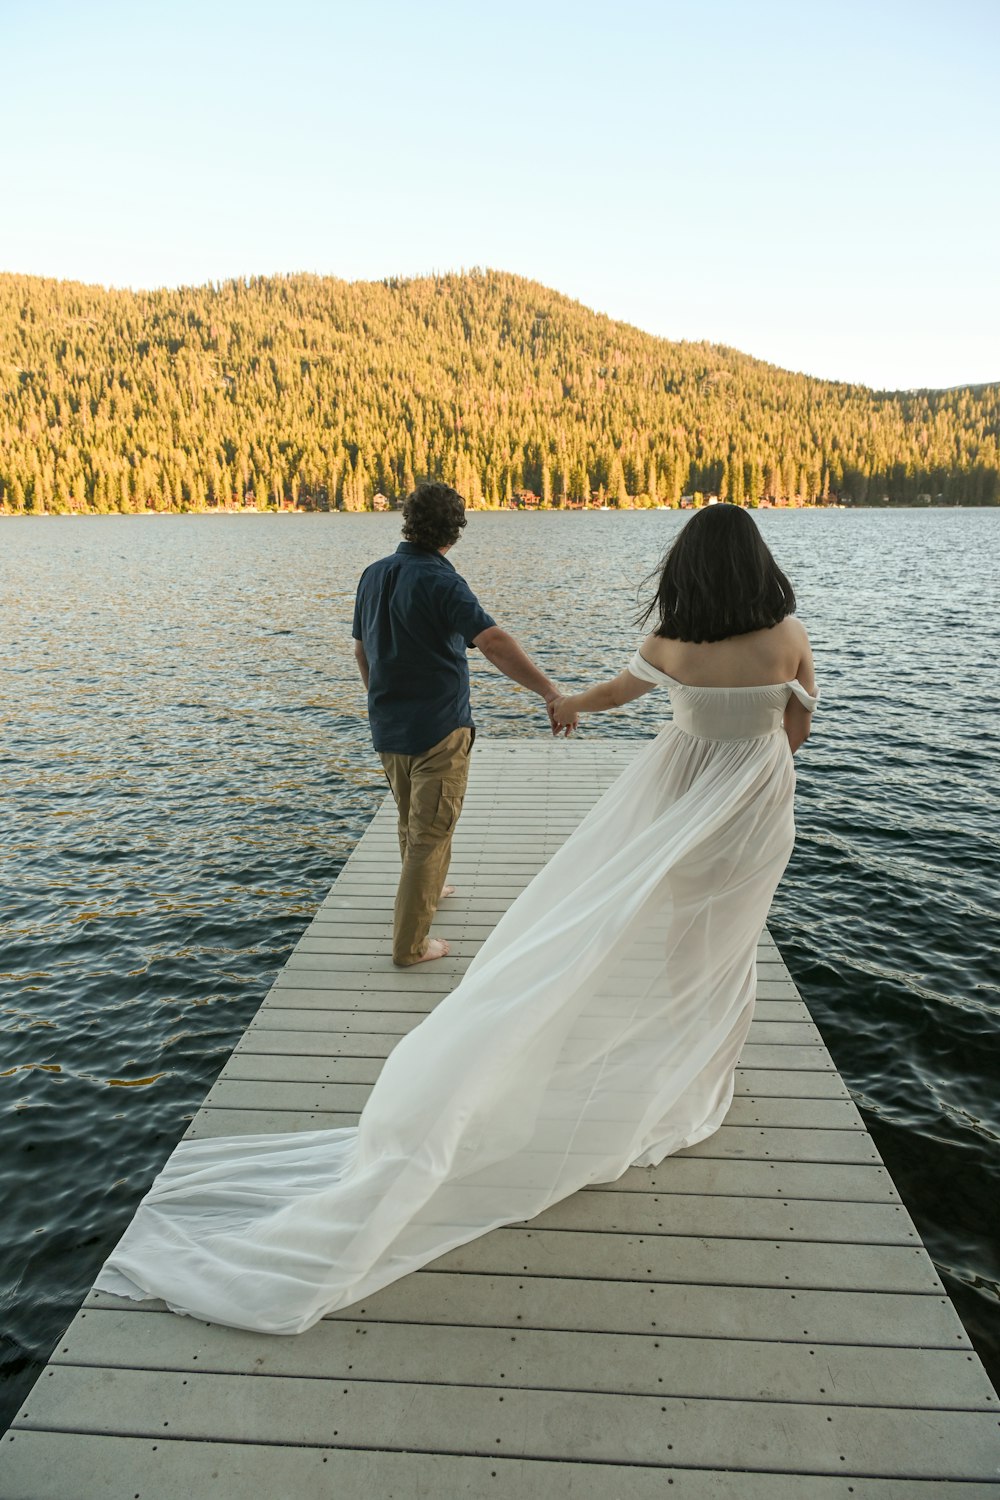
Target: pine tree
{"x":617,"y":491}
{"x":789,"y":475}
{"x":737,"y":492}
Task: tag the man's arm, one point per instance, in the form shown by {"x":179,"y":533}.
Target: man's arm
{"x":362,"y":661}
{"x":509,"y":658}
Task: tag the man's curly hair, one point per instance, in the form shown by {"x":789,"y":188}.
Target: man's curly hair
{"x":433,"y":516}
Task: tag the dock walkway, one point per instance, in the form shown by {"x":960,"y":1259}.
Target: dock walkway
{"x":756,"y":1319}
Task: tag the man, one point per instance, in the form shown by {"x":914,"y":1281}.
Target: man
{"x":414,"y":619}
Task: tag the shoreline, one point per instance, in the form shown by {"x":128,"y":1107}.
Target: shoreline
{"x":483,"y":510}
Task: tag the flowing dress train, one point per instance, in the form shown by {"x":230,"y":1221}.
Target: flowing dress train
{"x":598,"y":1027}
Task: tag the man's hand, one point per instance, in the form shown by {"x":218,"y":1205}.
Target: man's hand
{"x":562,"y":715}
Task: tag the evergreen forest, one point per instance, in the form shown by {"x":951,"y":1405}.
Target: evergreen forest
{"x":306,"y":391}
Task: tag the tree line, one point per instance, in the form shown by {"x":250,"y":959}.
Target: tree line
{"x":324,"y":394}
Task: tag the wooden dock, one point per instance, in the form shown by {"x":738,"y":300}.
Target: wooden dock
{"x":756,"y":1319}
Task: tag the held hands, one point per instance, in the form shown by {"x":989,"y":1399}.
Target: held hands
{"x":562,"y":715}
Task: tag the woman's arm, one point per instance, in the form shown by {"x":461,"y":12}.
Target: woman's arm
{"x":612,"y":694}
{"x":798,"y":718}
{"x":797,"y":722}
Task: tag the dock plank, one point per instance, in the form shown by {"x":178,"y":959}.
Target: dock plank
{"x":111,"y":1466}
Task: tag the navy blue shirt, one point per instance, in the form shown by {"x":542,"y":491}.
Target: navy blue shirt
{"x":416,"y":618}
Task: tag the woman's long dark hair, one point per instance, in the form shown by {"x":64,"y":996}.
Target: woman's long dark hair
{"x":718,"y":579}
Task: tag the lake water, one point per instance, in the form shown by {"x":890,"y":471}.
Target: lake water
{"x":186,"y":765}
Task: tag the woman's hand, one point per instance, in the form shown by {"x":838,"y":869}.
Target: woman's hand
{"x":563,"y":715}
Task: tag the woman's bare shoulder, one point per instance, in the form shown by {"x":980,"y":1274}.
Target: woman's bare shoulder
{"x":792,"y":636}
{"x":792,"y":627}
{"x":659,"y":650}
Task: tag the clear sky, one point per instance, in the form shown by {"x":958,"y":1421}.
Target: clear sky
{"x":815,"y":182}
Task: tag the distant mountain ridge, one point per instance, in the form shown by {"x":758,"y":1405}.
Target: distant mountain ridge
{"x":310,"y":391}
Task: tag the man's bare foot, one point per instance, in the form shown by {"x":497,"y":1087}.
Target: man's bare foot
{"x":434,"y":948}
{"x":448,"y":890}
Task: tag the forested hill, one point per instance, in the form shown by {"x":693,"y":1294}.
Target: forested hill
{"x":323,"y":393}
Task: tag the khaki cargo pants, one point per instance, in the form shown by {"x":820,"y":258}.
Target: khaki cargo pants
{"x":428,"y":789}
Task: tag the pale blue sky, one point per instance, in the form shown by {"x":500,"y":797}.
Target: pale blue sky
{"x":813,"y":181}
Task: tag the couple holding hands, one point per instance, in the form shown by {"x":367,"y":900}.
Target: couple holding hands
{"x":415,"y":618}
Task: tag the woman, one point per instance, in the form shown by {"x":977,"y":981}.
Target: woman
{"x":598,"y":1026}
{"x":725,"y":621}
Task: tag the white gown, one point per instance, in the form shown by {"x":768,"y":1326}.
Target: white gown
{"x":598,"y":1026}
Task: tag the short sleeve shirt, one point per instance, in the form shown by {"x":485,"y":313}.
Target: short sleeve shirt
{"x":416,"y":618}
